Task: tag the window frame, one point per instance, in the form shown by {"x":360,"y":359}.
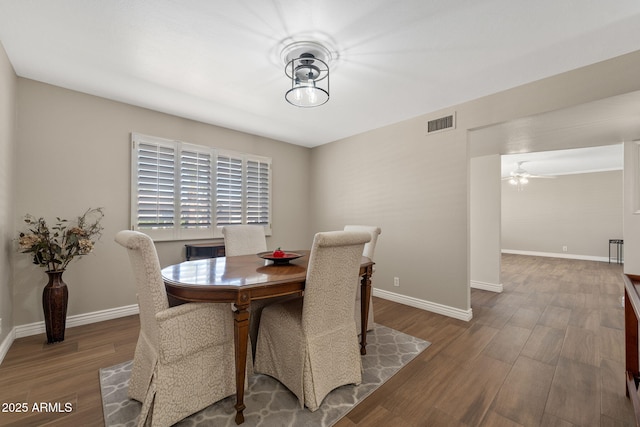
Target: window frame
{"x":177,"y":231}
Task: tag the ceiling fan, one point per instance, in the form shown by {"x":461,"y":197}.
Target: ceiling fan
{"x":519,"y":176}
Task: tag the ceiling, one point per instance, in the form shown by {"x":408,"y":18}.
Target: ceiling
{"x":566,"y":162}
{"x":219,"y":61}
{"x":581,"y":139}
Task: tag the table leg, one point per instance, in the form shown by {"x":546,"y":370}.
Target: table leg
{"x":365,"y":297}
{"x":241,"y":336}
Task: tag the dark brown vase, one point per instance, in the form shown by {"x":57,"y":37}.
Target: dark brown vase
{"x":54,"y":303}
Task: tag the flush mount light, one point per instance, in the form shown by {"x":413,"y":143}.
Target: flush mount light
{"x":307,"y":67}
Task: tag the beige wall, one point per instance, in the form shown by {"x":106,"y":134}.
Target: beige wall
{"x":73,"y":152}
{"x":8,"y":87}
{"x":580,"y":211}
{"x":412,"y":186}
{"x":484,"y":220}
{"x":631,"y":213}
{"x":416,"y":186}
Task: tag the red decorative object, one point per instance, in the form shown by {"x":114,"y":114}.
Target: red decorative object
{"x":279,"y":260}
{"x":54,"y":303}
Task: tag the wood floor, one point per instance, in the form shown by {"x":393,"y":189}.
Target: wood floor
{"x":548,"y":351}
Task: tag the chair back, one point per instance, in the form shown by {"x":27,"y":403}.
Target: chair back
{"x":152,"y":295}
{"x":330,"y":289}
{"x":370,"y":247}
{"x":244,"y":240}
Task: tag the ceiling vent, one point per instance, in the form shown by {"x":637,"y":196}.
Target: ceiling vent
{"x":441,"y":124}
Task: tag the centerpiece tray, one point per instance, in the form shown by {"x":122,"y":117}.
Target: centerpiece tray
{"x":288,"y":256}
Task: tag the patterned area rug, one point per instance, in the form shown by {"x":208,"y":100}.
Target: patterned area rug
{"x":268,"y":403}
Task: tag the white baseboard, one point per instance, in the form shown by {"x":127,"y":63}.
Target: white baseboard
{"x":6,"y":343}
{"x":114,"y":313}
{"x":556,"y":255}
{"x":433,"y":307}
{"x":78,"y":320}
{"x":493,"y":287}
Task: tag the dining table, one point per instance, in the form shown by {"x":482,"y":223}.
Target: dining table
{"x":242,"y":279}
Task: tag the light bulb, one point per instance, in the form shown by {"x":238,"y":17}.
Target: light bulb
{"x":296,"y":93}
{"x":311,"y":94}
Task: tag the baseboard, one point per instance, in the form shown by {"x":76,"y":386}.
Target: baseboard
{"x":114,"y":313}
{"x":433,"y":307}
{"x":556,"y":255}
{"x":6,"y":343}
{"x":493,"y":287}
{"x":78,"y":320}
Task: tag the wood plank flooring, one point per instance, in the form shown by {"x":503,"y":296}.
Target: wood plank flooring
{"x":548,"y":351}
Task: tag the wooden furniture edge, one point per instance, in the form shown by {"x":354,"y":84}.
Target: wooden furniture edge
{"x":631,"y":316}
{"x":630,"y":287}
{"x":633,"y":395}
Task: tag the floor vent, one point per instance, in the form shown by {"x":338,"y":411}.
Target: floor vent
{"x":443,"y":123}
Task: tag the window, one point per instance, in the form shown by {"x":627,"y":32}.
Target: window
{"x":185,"y":191}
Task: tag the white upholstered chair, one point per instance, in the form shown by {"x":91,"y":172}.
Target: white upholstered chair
{"x":369,"y":251}
{"x":310,"y":344}
{"x":243,"y":239}
{"x":184,"y":359}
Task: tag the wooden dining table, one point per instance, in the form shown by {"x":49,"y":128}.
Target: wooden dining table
{"x":242,"y":279}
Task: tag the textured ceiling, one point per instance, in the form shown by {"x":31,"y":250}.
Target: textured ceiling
{"x":219,"y":61}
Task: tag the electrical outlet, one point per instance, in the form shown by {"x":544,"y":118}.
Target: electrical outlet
{"x":396,"y":281}
{"x":564,"y":249}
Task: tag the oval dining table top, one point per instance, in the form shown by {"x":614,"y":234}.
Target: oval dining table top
{"x":237,"y":271}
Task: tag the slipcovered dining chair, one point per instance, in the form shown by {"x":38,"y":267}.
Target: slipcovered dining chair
{"x":184,"y":358}
{"x":243,"y":239}
{"x":369,"y":251}
{"x":310,"y":344}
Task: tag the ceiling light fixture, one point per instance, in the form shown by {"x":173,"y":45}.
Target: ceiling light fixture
{"x":307,"y":66}
{"x":518,"y":181}
{"x":520,"y":177}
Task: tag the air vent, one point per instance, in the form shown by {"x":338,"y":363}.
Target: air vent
{"x":443,"y":123}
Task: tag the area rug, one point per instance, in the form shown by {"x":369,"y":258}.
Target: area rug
{"x":268,"y":403}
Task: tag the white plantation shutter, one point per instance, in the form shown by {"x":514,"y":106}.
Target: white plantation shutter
{"x":228,"y":190}
{"x":195,"y":188}
{"x":185,"y":191}
{"x":258,"y":179}
{"x":155,"y":190}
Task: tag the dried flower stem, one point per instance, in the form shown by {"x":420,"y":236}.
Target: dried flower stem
{"x":54,"y":249}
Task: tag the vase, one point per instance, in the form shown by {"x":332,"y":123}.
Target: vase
{"x":54,"y":303}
